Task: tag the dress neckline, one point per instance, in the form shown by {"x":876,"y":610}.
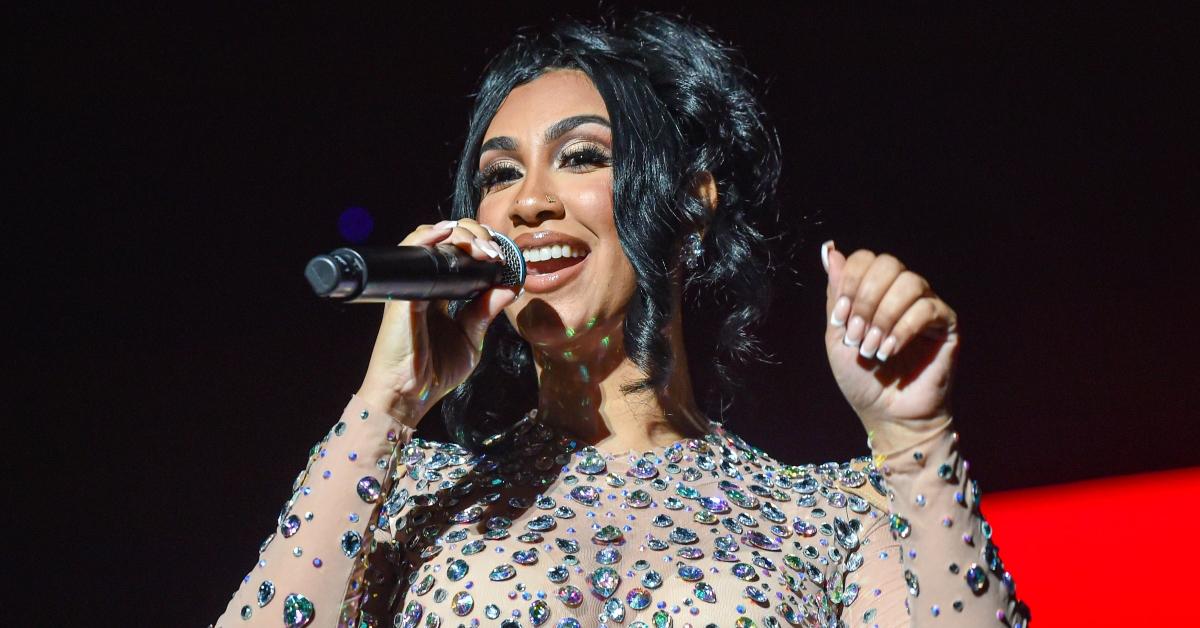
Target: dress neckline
{"x":715,"y":436}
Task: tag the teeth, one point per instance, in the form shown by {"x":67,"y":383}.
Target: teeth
{"x":556,"y":251}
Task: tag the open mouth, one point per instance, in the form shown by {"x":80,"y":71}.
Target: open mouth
{"x":543,"y":260}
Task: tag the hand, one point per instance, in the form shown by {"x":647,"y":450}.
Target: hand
{"x":892,"y":344}
{"x":422,"y":352}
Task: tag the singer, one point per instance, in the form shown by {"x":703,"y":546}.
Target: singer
{"x":590,"y":484}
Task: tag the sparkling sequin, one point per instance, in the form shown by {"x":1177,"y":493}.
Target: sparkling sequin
{"x":704,"y":592}
{"x":585,"y":494}
{"x":298,"y":611}
{"x":690,"y":573}
{"x":638,"y":598}
{"x":977,"y":580}
{"x":541,"y":523}
{"x":608,"y":534}
{"x":539,"y":612}
{"x":761,"y":541}
{"x":558,"y":574}
{"x":592,"y":463}
{"x":638,"y":499}
{"x":683,"y":536}
{"x":369,"y":489}
{"x":290,"y":526}
{"x":525,"y":557}
{"x":614,"y":610}
{"x":652,"y":579}
{"x":462,"y":603}
{"x":744,"y":572}
{"x":266,"y":593}
{"x":608,"y":556}
{"x":457,"y":570}
{"x":502,"y":572}
{"x":605,"y":581}
{"x":643,"y":469}
{"x":570,"y":595}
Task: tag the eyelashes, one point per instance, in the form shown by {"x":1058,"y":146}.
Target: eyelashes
{"x":580,"y":157}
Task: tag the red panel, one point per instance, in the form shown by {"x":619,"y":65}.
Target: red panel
{"x":1116,"y":552}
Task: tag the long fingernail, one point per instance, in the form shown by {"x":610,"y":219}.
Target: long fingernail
{"x":445,"y":224}
{"x":495,"y":248}
{"x":854,"y":332}
{"x":825,"y":254}
{"x":486,"y":247}
{"x":870,"y":342}
{"x":841,"y":310}
{"x":886,"y":349}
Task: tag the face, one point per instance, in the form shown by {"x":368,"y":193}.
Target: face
{"x":546,"y":180}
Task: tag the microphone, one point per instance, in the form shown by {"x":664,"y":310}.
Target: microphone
{"x":375,"y":274}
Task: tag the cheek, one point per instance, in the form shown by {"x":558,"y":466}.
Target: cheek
{"x":593,"y":204}
{"x":490,"y":213}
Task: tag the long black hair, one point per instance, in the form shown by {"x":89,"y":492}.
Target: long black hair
{"x":680,"y":106}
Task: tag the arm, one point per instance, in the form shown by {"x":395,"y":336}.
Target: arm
{"x":930,"y":562}
{"x":310,"y":565}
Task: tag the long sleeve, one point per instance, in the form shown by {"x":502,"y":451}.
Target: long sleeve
{"x":309,"y":567}
{"x":931,"y":561}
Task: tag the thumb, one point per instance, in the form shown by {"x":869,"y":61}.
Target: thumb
{"x":478,"y":315}
{"x":834,"y":262}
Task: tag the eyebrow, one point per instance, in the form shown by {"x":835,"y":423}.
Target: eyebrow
{"x":554,"y":132}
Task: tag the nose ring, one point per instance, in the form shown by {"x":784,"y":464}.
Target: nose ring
{"x":551,"y":199}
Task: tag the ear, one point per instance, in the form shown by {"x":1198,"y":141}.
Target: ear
{"x":704,"y":187}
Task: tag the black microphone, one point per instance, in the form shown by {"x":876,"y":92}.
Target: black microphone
{"x":373,"y":274}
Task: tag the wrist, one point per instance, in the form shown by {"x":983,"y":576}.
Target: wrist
{"x":396,"y":404}
{"x":888,"y":437}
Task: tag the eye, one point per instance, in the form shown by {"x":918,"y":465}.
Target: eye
{"x":584,"y":157}
{"x":496,"y":174}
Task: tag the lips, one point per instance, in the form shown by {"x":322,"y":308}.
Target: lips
{"x":551,"y":259}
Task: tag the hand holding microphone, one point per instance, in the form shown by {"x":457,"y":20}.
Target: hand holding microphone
{"x":422,"y":352}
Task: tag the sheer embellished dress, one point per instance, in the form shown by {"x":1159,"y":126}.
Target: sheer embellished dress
{"x":384,"y":529}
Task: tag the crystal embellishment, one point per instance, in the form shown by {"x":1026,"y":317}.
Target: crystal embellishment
{"x":298,"y":611}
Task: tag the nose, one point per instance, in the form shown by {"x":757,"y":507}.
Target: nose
{"x":535,"y":204}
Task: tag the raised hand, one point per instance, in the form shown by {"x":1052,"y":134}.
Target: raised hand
{"x":422,"y":352}
{"x":892,"y":344}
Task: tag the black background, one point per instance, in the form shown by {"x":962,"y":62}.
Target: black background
{"x":178,"y":166}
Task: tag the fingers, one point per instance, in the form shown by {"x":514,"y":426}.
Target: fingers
{"x":904,"y":291}
{"x":470,"y":236}
{"x":879,"y":305}
{"x":865,"y":293}
{"x":926,"y":316}
{"x":478,"y":314}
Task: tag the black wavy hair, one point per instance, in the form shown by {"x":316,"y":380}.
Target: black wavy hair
{"x":680,"y":105}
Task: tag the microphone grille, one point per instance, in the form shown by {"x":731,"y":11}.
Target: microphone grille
{"x":514,"y":263}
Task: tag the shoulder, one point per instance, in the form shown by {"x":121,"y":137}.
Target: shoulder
{"x":426,"y":474}
{"x":856,"y":482}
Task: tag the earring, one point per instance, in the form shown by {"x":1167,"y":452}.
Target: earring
{"x":693,"y":249}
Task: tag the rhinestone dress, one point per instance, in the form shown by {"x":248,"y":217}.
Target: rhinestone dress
{"x":383,"y":529}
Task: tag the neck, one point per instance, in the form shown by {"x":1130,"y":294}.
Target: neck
{"x":582,"y":394}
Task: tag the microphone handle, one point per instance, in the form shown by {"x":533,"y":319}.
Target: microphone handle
{"x":376,"y":274}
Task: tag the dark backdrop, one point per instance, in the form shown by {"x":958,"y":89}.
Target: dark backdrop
{"x":1037,"y":164}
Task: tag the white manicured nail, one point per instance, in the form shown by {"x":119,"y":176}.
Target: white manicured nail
{"x":445,"y":224}
{"x":885,"y":350}
{"x":486,"y":247}
{"x":841,"y":309}
{"x":825,"y":254}
{"x":854,"y":332}
{"x":871,"y":342}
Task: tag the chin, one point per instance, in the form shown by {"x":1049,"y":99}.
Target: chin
{"x":548,"y":326}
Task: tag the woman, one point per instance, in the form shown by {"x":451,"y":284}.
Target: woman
{"x":630,"y":167}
